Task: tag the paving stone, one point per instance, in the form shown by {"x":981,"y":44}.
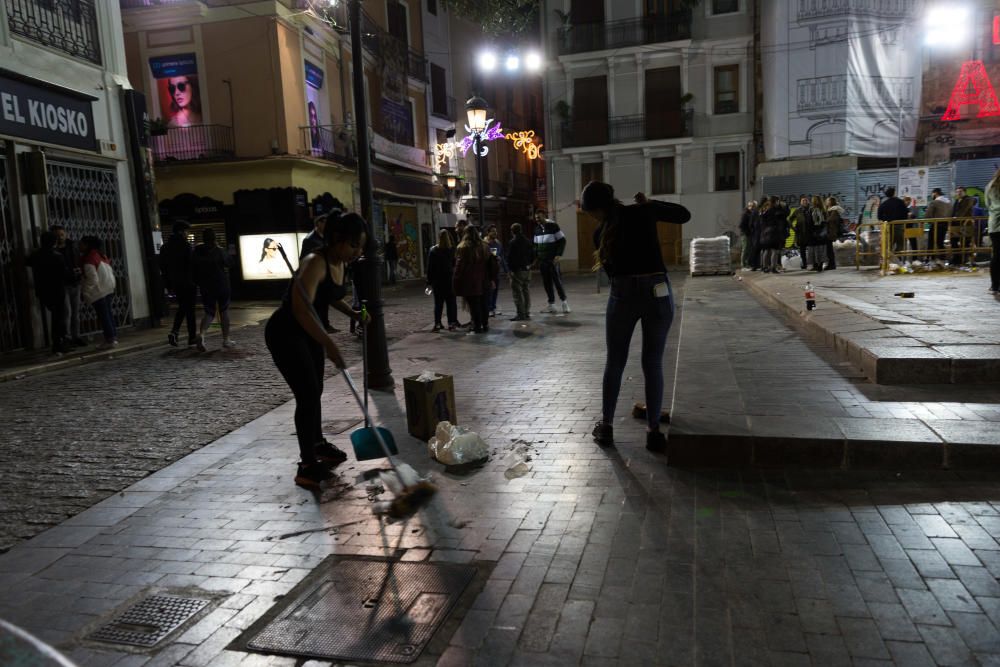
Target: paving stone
{"x":946,"y":645}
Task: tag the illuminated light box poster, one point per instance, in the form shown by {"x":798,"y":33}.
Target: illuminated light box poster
{"x":913,"y":183}
{"x":314,"y":103}
{"x":177,"y":89}
{"x":260,"y":259}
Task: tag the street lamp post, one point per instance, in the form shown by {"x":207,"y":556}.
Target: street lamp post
{"x":475,"y":110}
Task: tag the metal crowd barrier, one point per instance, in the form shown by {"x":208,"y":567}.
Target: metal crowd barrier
{"x":923,"y":239}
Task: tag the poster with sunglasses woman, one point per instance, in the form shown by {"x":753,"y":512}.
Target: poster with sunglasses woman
{"x":177,"y":89}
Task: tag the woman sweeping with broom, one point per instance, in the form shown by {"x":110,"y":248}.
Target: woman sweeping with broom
{"x":299,"y":343}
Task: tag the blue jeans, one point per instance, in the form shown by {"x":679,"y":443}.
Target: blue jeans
{"x":632,"y":300}
{"x":107,"y":318}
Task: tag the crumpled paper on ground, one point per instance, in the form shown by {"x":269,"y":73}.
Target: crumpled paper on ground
{"x":427,"y":376}
{"x":456,"y":445}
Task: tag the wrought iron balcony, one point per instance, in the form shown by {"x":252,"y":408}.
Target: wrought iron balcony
{"x":67,"y":25}
{"x":139,"y":4}
{"x":892,"y":9}
{"x":194,"y":142}
{"x":598,"y":36}
{"x":330,"y":142}
{"x":627,"y":129}
{"x":384,"y":45}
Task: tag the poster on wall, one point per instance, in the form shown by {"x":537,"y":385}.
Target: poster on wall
{"x":397,"y":121}
{"x":844,"y":77}
{"x":177,"y":89}
{"x":314,"y":105}
{"x":402,"y":226}
{"x":260,"y":259}
{"x":913,"y":183}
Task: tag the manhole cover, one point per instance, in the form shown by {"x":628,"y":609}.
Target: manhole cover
{"x":367,"y":610}
{"x":149,"y":621}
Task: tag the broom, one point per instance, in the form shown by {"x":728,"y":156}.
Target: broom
{"x":412,"y":496}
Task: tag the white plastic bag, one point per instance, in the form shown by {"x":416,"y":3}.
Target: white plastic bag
{"x":454,"y":445}
{"x":427,"y":376}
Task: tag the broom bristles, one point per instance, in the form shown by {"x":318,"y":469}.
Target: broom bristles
{"x":411,"y":499}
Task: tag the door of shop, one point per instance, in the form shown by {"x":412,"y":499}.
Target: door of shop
{"x":12,"y":306}
{"x":83,"y":198}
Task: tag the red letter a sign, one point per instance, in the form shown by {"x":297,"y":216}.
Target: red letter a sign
{"x":972,"y":87}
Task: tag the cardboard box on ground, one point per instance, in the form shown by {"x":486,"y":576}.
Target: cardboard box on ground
{"x":427,"y":403}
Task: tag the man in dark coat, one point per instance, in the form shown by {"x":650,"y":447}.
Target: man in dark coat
{"x":50,"y":274}
{"x":175,"y":263}
{"x":962,"y":212}
{"x":894,"y":208}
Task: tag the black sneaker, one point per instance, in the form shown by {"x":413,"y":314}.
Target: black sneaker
{"x":312,"y":475}
{"x":656,"y":441}
{"x":172,"y":338}
{"x":604,"y":434}
{"x":329,"y":455}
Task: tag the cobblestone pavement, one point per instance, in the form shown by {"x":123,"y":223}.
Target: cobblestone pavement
{"x":73,"y":437}
{"x":594,"y":556}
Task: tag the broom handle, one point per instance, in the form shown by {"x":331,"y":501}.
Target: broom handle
{"x":364,"y":408}
{"x":364,"y":359}
{"x":347,"y":376}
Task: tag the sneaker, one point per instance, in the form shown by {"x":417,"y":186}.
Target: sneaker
{"x":229,"y":342}
{"x":499,"y":312}
{"x":493,"y":313}
{"x":172,"y":338}
{"x":312,"y":475}
{"x":516,"y":318}
{"x":437,"y":327}
{"x":200,"y":342}
{"x":551,"y":308}
{"x":604,"y":434}
{"x":192,"y":341}
{"x":329,"y":455}
{"x":107,"y":345}
{"x":656,"y":441}
{"x":565,"y":307}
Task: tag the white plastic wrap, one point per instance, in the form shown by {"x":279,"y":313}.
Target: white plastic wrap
{"x":455,"y":445}
{"x":710,"y":255}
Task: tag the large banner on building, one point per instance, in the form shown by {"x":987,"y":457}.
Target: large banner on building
{"x":839,"y":78}
{"x":177,"y":89}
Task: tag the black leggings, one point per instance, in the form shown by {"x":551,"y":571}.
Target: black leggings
{"x":300,"y":360}
{"x":444,"y":296}
{"x":477,"y":309}
{"x":185,"y":310}
{"x":995,"y":261}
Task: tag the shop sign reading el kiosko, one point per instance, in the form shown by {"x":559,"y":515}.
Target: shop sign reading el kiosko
{"x":35,"y":110}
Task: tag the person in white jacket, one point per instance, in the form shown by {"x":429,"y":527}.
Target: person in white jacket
{"x":992,"y":200}
{"x":98,"y":287}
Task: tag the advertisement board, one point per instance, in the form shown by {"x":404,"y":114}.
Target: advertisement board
{"x":177,"y":89}
{"x":260,"y":259}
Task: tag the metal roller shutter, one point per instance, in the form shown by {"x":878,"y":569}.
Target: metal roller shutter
{"x":975,"y":173}
{"x":839,"y":184}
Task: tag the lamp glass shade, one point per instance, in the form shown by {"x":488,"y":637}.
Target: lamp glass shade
{"x":451,"y":182}
{"x":476,"y":109}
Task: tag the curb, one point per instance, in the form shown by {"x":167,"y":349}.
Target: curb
{"x":73,"y":360}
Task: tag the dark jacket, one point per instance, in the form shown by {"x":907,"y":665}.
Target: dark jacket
{"x":800,"y":218}
{"x":636,"y":248}
{"x":891,"y":209}
{"x":550,"y":242}
{"x":72,"y":259}
{"x":774,"y":228}
{"x":520,"y":253}
{"x":440,"y":267}
{"x":311,"y":243}
{"x":391,"y":251}
{"x":746,"y":221}
{"x":49,"y":271}
{"x":175,"y":262}
{"x":210,"y":264}
{"x":813,"y":229}
{"x":471,"y":274}
{"x":963,"y":207}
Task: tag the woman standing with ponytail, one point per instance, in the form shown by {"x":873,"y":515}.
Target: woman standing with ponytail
{"x":628,"y":249}
{"x":992,"y":205}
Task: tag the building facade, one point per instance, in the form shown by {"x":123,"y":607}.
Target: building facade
{"x":651,"y":97}
{"x":65,"y":146}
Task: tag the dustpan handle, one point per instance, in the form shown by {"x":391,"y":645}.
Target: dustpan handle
{"x":357,"y":397}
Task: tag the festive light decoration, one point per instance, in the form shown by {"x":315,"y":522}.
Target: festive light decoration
{"x":973,"y":76}
{"x":996,"y":29}
{"x":524,"y":141}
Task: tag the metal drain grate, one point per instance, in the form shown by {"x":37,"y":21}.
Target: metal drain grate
{"x":367,"y":610}
{"x":149,"y":621}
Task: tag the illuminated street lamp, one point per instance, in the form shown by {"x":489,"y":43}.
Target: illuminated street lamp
{"x":475,"y":110}
{"x":451,"y":181}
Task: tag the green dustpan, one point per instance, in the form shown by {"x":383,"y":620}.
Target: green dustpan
{"x":369,"y":442}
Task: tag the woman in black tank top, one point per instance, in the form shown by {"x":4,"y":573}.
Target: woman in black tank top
{"x":298,"y":342}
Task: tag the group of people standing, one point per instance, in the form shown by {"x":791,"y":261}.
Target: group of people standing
{"x":765,"y":229}
{"x":464,"y":264}
{"x":64,"y":275}
{"x":188,"y":271}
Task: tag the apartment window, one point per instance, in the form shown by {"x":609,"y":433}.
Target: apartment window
{"x":663,"y":176}
{"x":727,"y":89}
{"x":725,"y":6}
{"x":727,"y":171}
{"x":432,"y":7}
{"x":591,"y":171}
{"x":439,"y":91}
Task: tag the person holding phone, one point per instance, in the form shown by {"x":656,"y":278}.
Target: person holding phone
{"x":628,"y":249}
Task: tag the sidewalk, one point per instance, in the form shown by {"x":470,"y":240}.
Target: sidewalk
{"x":589,"y":556}
{"x":131,"y":339}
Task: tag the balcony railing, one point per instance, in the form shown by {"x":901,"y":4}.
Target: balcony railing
{"x":890,"y":9}
{"x":194,"y":142}
{"x":383,"y":44}
{"x":67,"y":25}
{"x":330,"y":142}
{"x":138,"y":4}
{"x":627,"y":129}
{"x":583,"y":37}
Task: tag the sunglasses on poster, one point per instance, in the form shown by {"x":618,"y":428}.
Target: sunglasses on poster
{"x":182,"y":86}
